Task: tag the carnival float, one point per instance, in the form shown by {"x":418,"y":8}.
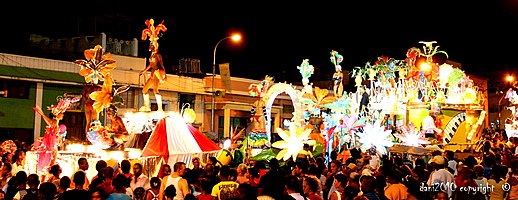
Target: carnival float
{"x":415,"y":105}
{"x":172,"y":137}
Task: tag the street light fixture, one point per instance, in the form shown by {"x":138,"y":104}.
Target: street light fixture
{"x":509,"y":78}
{"x":236,"y":38}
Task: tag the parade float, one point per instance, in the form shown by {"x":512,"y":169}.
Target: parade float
{"x":99,"y":95}
{"x":387,"y":112}
{"x":415,"y":105}
{"x":408,"y":91}
{"x":172,"y":137}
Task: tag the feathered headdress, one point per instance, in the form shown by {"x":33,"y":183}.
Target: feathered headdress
{"x":153,"y":32}
{"x":64,"y":103}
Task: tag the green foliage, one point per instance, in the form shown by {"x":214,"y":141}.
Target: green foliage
{"x":436,"y":51}
{"x":266,"y":155}
{"x":319,"y":148}
{"x":359,"y":71}
{"x":455,"y":76}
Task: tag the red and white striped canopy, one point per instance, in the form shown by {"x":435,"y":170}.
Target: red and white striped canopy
{"x":173,"y":136}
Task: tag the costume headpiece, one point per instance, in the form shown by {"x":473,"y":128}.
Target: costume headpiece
{"x":153,"y":32}
{"x":63,"y":104}
{"x":112,"y":109}
{"x":336,"y":59}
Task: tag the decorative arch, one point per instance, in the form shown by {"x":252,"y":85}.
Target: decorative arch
{"x":270,"y":96}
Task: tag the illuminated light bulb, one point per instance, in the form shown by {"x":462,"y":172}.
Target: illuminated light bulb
{"x":236,"y":37}
{"x":227,"y":143}
{"x":425,"y":66}
{"x":509,"y":78}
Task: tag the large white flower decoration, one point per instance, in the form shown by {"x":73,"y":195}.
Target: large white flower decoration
{"x":375,"y":135}
{"x":410,"y":136}
{"x":293,"y":142}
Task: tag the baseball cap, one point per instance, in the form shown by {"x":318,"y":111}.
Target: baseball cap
{"x":438,"y":160}
{"x":352,"y":166}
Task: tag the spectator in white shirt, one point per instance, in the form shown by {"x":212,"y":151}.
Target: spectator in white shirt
{"x":452,"y":163}
{"x":440,"y":176}
{"x":429,"y":123}
{"x":293,"y":188}
{"x":139,"y":179}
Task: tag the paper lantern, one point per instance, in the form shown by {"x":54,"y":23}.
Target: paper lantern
{"x":189,"y":115}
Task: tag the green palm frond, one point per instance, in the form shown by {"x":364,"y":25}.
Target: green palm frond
{"x":436,"y":51}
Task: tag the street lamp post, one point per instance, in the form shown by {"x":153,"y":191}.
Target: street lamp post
{"x":235,"y":37}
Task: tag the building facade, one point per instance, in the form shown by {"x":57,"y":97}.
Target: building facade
{"x":30,"y":81}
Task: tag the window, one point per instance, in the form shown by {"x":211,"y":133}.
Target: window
{"x":287,"y":109}
{"x":235,"y":122}
{"x":14,"y":89}
{"x":128,"y":98}
{"x":186,"y":98}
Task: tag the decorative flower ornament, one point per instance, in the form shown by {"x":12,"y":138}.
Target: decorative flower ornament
{"x":340,"y":105}
{"x":410,"y":136}
{"x":352,"y":123}
{"x":318,"y":99}
{"x":293,"y":141}
{"x":375,"y":135}
{"x":96,"y":66}
{"x":103,"y":98}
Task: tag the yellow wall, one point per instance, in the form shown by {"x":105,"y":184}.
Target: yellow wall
{"x":416,"y":116}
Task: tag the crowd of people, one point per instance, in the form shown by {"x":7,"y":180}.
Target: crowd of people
{"x":490,"y":174}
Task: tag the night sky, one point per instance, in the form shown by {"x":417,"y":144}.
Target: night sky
{"x":279,"y":35}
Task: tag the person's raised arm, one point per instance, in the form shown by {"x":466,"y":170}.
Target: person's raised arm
{"x":39,"y":111}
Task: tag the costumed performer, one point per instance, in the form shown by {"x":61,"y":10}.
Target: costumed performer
{"x":431,"y":131}
{"x":258,"y":111}
{"x":258,"y":119}
{"x":338,"y":76}
{"x":117,"y":126}
{"x":47,"y":146}
{"x":155,"y":64}
{"x":338,"y":87}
